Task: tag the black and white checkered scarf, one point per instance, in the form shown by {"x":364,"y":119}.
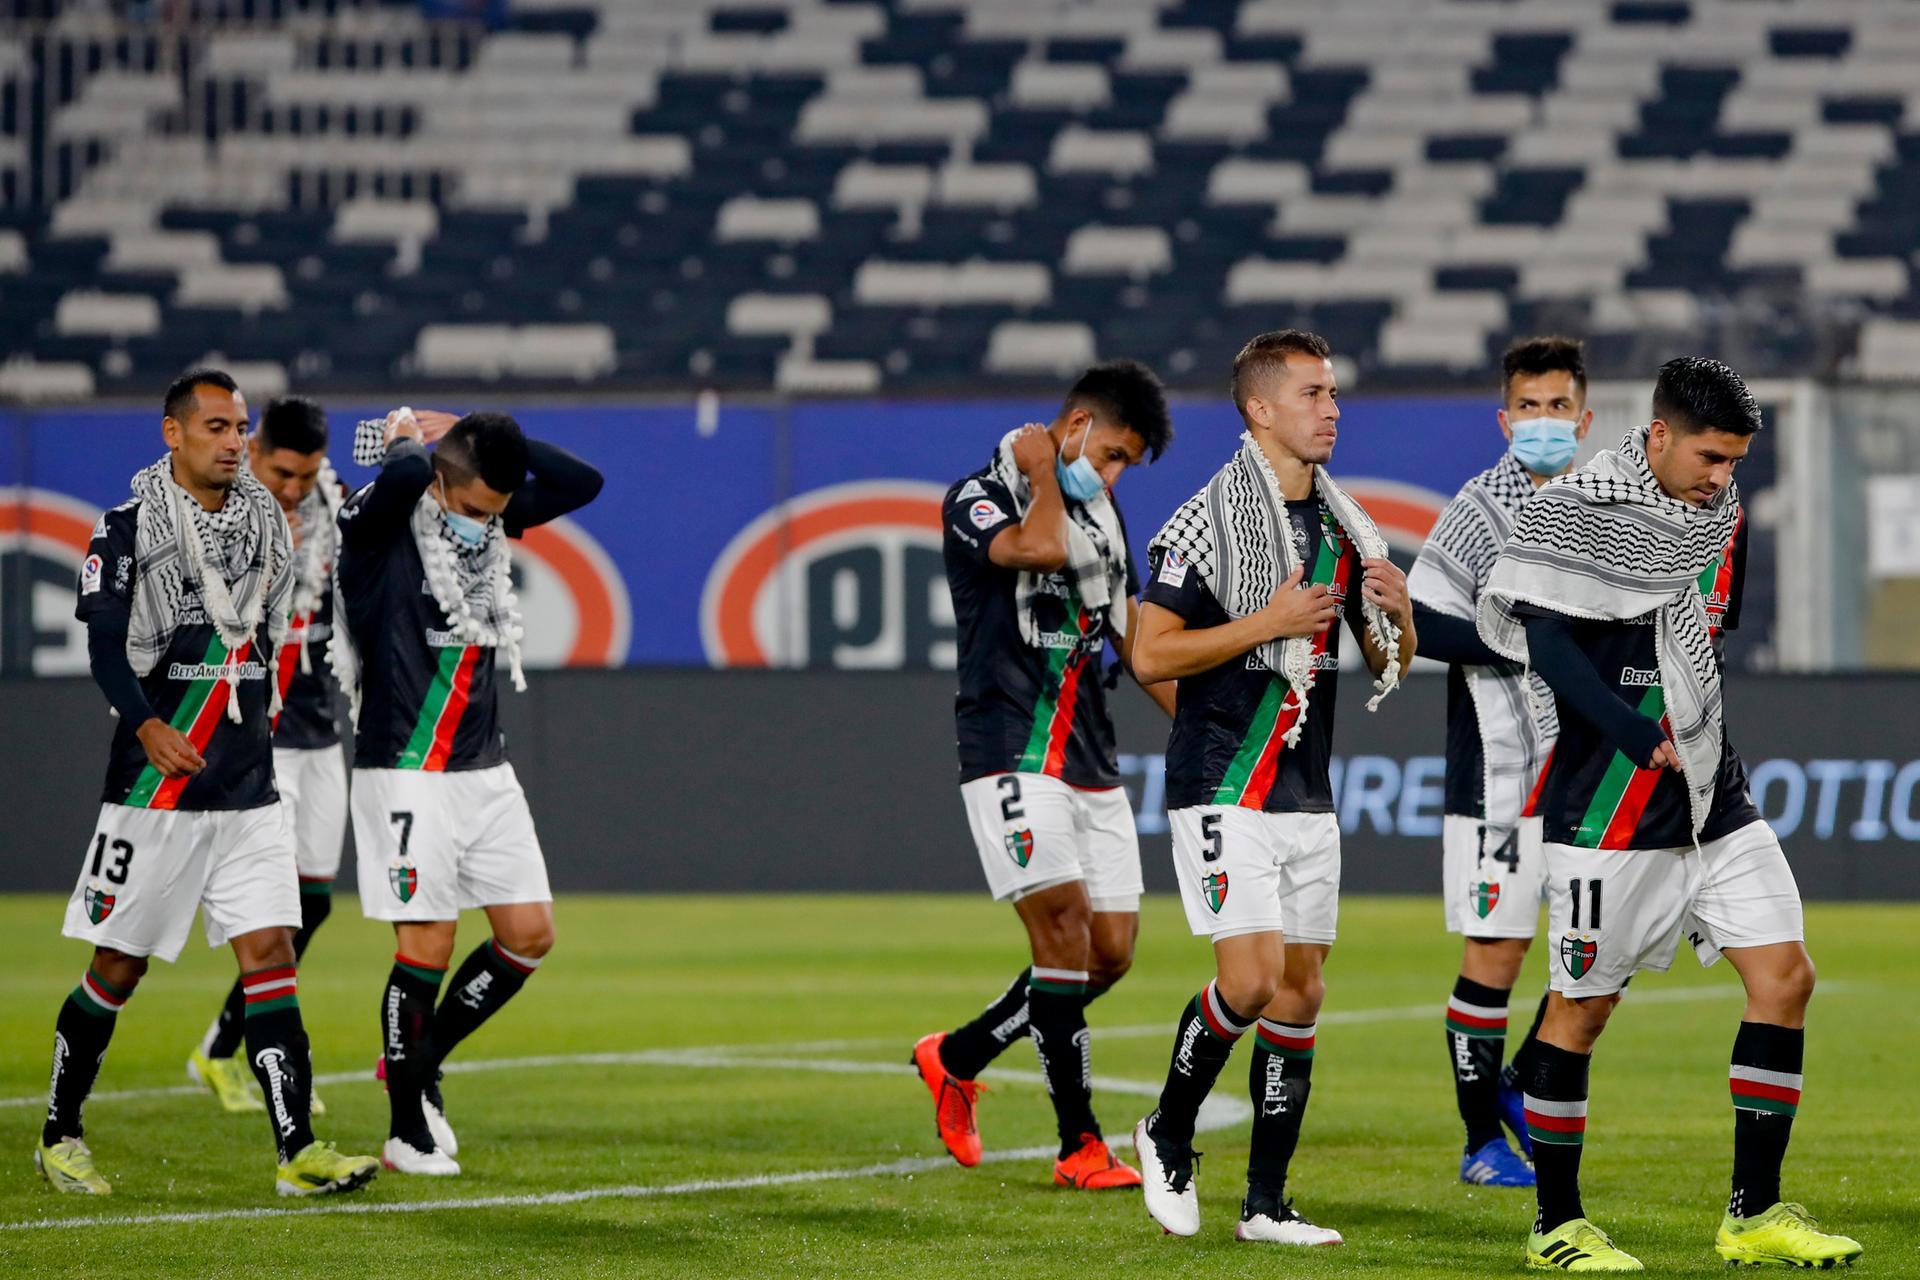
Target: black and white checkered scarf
{"x":1235,"y":533}
{"x":315,"y":548}
{"x":1518,"y":726}
{"x":239,"y":557}
{"x":1096,"y":552}
{"x":1607,"y":543}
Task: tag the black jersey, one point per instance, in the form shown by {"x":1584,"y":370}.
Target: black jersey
{"x":1022,"y":709}
{"x":1594,"y":796}
{"x":427,"y":699}
{"x":307,"y":685}
{"x":187,"y":688}
{"x":1230,"y":724}
{"x":1466,"y":767}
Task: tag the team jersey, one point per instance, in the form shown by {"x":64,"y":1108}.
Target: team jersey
{"x":1229,"y":725}
{"x":307,"y":685}
{"x":1022,"y":709}
{"x":1466,"y":767}
{"x":186,"y":688}
{"x":1594,"y":797}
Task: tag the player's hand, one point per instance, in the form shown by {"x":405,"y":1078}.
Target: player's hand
{"x":1665,"y":756}
{"x":1033,"y":451}
{"x":169,"y":750}
{"x":434,"y":424}
{"x":1383,"y":583}
{"x":402,"y":424}
{"x":1297,"y":611}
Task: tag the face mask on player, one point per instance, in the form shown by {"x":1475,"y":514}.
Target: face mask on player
{"x":1078,"y":479}
{"x":1544,"y":446}
{"x":469,"y":531}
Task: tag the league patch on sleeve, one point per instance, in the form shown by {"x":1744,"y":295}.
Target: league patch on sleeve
{"x":985,"y":512}
{"x":971,"y":489}
{"x":90,"y":575}
{"x":1173,"y":570}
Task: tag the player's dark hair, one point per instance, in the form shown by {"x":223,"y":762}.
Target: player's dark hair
{"x":1695,"y":393}
{"x":1127,"y":394}
{"x":293,"y":422}
{"x":179,"y":400}
{"x":1266,"y":355}
{"x":488,"y":445}
{"x":1531,"y":357}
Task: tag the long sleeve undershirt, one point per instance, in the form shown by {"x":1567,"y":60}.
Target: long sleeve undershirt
{"x":107,"y":657}
{"x":1557,"y":656}
{"x":1445,"y":638}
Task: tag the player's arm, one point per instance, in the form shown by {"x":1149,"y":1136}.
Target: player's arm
{"x":1383,"y":584}
{"x":1038,"y":543}
{"x":1166,"y":648}
{"x":1445,"y":638}
{"x":383,"y":510}
{"x":557,"y":482}
{"x":1559,"y":660}
{"x":1161,"y":691}
{"x":106,"y":602}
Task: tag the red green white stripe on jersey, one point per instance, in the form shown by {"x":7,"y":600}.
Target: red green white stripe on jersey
{"x":1561,"y":1124}
{"x":1250,"y":774}
{"x":1716,"y":580}
{"x":1620,"y":801}
{"x":1219,"y":1019}
{"x":1478,"y":1021}
{"x":1058,"y":982}
{"x":98,"y":996}
{"x":289,"y":662}
{"x":1756,"y":1089}
{"x":1286,"y":1039}
{"x":270,"y":990}
{"x":197,"y":716}
{"x":431,"y":742}
{"x":1053,"y":712}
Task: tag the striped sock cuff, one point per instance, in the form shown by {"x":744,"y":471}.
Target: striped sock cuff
{"x":1756,"y":1089}
{"x":322,"y":885}
{"x":1287,"y":1039}
{"x":1479,"y":1021}
{"x":270,"y":990}
{"x":428,"y":973}
{"x":1219,"y":1018}
{"x":1058,"y":982}
{"x":522,"y":965}
{"x":98,"y":996}
{"x":1556,"y":1122}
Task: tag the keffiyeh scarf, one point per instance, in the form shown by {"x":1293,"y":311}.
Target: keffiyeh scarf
{"x":315,"y":548}
{"x":1518,"y":724}
{"x":1096,"y":552}
{"x":1607,"y":543}
{"x":238,"y":558}
{"x":1235,"y":533}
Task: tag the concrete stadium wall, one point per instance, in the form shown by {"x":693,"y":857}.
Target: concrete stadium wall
{"x":708,"y":782}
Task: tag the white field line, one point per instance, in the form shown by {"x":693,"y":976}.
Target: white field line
{"x":1215,"y":1113}
{"x":695,"y":1056}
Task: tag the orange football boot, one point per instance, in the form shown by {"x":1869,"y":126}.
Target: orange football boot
{"x":1093,"y":1168}
{"x":953,"y":1101}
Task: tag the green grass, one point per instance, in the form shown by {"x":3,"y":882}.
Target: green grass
{"x":1378,"y":1160}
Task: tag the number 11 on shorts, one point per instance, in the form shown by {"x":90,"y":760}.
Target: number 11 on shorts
{"x":1593,"y":903}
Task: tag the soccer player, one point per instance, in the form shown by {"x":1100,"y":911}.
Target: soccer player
{"x":288,"y":454}
{"x":1615,"y":585}
{"x":439,"y":820}
{"x":1247,"y":585}
{"x":1498,"y":737}
{"x":1042,"y":581}
{"x":185,"y":590}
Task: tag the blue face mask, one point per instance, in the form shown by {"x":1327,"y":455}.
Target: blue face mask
{"x":1078,"y":479}
{"x":470,"y":531}
{"x":1544,"y":446}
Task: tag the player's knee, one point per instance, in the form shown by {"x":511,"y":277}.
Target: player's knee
{"x":1109,"y":969}
{"x":1248,"y":993}
{"x":534,"y":944}
{"x":119,"y":968}
{"x":1792,"y":987}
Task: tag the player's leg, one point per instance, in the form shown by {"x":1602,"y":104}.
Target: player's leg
{"x":1750,"y":912}
{"x":1230,"y":887}
{"x":137,"y":892}
{"x":493,"y":972}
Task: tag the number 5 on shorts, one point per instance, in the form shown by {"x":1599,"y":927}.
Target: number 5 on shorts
{"x":1210,"y":832}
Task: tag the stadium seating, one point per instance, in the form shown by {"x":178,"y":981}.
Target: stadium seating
{"x":825,"y":195}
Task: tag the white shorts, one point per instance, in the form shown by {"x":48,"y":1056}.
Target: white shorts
{"x":430,"y":845}
{"x":1244,"y":871}
{"x":1492,"y":893}
{"x":1613,"y":912}
{"x":146,"y":871}
{"x":313,"y":794}
{"x":1033,"y":832}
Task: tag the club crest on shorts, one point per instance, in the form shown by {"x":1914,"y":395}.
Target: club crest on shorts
{"x":403,"y":879}
{"x":1485,"y":896}
{"x":1020,"y":847}
{"x":99,"y":903}
{"x":1215,"y":887}
{"x":1577,"y":955}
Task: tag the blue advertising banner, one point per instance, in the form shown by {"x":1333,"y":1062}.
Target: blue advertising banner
{"x":744,"y":533}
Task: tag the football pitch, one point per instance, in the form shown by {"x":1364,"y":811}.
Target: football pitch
{"x":718,"y":1087}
